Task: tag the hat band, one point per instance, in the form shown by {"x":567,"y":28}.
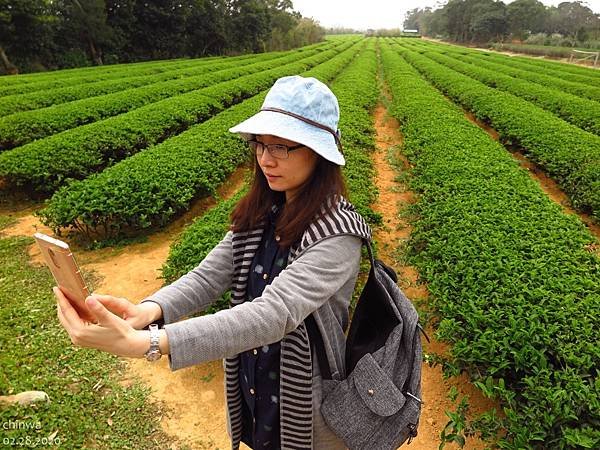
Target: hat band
{"x":336,"y":136}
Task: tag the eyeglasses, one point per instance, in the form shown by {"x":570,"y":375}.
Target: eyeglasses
{"x":279,"y":151}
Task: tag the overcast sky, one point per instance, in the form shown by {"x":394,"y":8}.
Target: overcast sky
{"x":365,"y":14}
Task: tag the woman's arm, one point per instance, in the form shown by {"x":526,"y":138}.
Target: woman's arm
{"x":300,"y":289}
{"x":118,"y":321}
{"x":200,"y":287}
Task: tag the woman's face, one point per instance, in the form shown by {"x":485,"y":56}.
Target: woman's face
{"x":286,"y":175}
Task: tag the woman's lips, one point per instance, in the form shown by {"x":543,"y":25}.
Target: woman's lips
{"x":271,"y":177}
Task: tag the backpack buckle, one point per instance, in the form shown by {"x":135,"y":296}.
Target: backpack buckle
{"x":412,"y":427}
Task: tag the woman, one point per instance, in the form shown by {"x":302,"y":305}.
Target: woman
{"x":293,"y":250}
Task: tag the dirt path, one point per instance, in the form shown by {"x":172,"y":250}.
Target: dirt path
{"x":393,"y":198}
{"x":194,"y":397}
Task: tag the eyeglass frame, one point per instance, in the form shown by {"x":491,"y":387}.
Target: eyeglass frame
{"x":267,"y":146}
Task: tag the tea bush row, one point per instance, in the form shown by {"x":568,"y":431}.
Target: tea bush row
{"x":148,"y":189}
{"x":44,"y":165}
{"x":20,"y":128}
{"x":566,"y":72}
{"x":514,"y":280}
{"x":568,"y":154}
{"x":581,"y":112}
{"x":53,"y":96}
{"x":20,"y":84}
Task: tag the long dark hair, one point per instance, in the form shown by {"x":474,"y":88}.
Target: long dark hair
{"x":326,"y":180}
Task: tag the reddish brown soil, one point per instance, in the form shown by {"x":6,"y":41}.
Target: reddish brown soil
{"x":393,"y":198}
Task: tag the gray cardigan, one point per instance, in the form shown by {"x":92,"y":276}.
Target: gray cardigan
{"x":320,"y":281}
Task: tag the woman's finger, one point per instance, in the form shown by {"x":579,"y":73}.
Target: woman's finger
{"x":115,"y":304}
{"x":67,"y":310}
{"x":104,"y":317}
{"x":61,"y":318}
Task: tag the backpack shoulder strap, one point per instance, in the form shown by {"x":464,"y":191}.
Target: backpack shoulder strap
{"x":315,"y":335}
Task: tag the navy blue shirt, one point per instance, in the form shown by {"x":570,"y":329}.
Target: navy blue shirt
{"x":259,"y":367}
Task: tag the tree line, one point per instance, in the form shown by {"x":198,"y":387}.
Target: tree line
{"x":52,"y":34}
{"x":481,"y":21}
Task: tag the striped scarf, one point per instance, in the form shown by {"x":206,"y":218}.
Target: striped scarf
{"x":295,"y":402}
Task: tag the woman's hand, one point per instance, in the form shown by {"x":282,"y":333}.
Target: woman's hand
{"x":138,"y":316}
{"x":111,"y":333}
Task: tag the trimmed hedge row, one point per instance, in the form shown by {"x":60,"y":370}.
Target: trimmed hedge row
{"x":590,"y":77}
{"x":34,"y":100}
{"x":537,"y":76}
{"x":148,"y":189}
{"x":357,"y":92}
{"x":506,"y":66}
{"x":513,"y":280}
{"x":12,"y":85}
{"x":42,"y":166}
{"x":581,"y":112}
{"x":21,"y":128}
{"x":571,"y":156}
{"x":569,"y":72}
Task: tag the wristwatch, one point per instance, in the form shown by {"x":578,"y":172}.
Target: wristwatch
{"x":153,"y":353}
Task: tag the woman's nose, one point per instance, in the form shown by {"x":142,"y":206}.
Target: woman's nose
{"x":266,"y":159}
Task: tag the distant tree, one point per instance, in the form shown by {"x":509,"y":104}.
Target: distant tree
{"x":120,"y":16}
{"x":488,"y":21}
{"x":25,"y":32}
{"x":249,"y":25}
{"x":525,"y":17}
{"x":413,"y":19}
{"x":160,"y":28}
{"x":83,"y":25}
{"x":459,"y":18}
{"x":568,"y":18}
{"x":206,"y":32}
{"x":307,"y":31}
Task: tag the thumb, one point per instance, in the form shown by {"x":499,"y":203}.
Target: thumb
{"x":102,"y":315}
{"x":117,"y":305}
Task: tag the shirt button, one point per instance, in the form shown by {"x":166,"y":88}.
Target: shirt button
{"x":277,"y":238}
{"x":252,"y":391}
{"x":265,"y":276}
{"x":255,"y":351}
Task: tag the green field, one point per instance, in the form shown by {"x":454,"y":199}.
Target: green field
{"x":514,"y":280}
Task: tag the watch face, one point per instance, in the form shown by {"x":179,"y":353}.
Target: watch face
{"x":153,"y":355}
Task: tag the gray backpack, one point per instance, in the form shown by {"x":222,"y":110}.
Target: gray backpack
{"x":379,"y":403}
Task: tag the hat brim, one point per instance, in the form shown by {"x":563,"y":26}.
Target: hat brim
{"x":288,"y":127}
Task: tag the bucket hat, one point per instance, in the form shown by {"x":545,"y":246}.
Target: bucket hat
{"x":303,"y":110}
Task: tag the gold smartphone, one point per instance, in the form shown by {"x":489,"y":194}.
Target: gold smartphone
{"x":65,"y":271}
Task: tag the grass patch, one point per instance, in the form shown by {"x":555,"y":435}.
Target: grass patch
{"x":5,"y":221}
{"x":88,"y":407}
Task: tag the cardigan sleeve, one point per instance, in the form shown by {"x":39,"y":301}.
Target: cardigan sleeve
{"x":300,"y":289}
{"x":200,"y":287}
